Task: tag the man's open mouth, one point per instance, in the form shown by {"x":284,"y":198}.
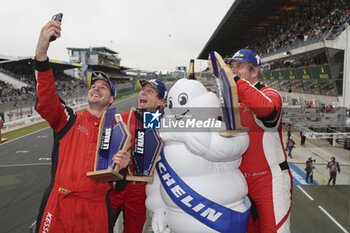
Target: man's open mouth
{"x":94,"y":95}
{"x":142,"y":100}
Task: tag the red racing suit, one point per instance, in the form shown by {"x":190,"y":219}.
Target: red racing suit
{"x":73,"y":202}
{"x":133,"y":196}
{"x":264,"y":164}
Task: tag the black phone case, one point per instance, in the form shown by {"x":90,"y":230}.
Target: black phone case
{"x":58,"y":18}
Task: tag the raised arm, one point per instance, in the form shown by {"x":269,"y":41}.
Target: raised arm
{"x":48,"y":103}
{"x":266,"y":104}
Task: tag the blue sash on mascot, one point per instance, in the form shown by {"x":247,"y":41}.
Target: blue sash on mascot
{"x":213,"y":215}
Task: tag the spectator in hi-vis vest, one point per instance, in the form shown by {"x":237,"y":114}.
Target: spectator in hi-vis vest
{"x":309,"y":170}
{"x":290,"y":146}
{"x":333,"y":169}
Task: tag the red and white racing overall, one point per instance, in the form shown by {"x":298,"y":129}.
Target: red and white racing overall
{"x":73,"y":202}
{"x":264,"y":164}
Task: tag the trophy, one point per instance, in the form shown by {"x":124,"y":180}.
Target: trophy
{"x":111,"y":138}
{"x":227,"y":92}
{"x":146,"y":150}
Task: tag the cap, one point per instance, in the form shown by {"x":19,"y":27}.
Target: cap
{"x":157,"y":84}
{"x":245,"y":55}
{"x":98,"y":75}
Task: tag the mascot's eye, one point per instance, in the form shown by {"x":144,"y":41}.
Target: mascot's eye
{"x":170,"y":102}
{"x":183,"y":98}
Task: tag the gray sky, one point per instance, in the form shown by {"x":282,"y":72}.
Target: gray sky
{"x":147,"y":34}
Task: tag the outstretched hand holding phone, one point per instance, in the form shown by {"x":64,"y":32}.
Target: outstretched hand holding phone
{"x":51,"y":29}
{"x":57,"y":18}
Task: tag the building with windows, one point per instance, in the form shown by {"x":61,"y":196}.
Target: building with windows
{"x":97,"y":58}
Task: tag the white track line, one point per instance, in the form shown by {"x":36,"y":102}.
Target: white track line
{"x":306,"y":194}
{"x":335,"y":221}
{"x":25,"y":165}
{"x":13,"y":140}
{"x":324,"y":211}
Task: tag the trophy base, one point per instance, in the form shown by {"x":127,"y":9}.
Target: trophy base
{"x":139,"y":178}
{"x":3,"y":140}
{"x":111,"y":175}
{"x":105,"y":175}
{"x":230,"y":133}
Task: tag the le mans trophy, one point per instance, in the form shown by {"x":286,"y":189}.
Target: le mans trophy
{"x":227,"y":92}
{"x":115,"y":135}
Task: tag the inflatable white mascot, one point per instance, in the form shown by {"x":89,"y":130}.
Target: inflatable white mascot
{"x":198,"y":186}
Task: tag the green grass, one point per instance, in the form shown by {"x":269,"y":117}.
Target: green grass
{"x":24,"y":131}
{"x":32,"y":128}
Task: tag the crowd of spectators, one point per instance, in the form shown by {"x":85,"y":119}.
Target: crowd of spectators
{"x":9,"y":94}
{"x":66,"y":86}
{"x":312,"y":24}
{"x":27,"y":79}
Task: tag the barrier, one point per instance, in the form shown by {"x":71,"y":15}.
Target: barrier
{"x":1,"y":124}
{"x":24,"y":122}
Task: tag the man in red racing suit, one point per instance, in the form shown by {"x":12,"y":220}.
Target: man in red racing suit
{"x":264,"y":163}
{"x":73,"y":202}
{"x":133,"y":197}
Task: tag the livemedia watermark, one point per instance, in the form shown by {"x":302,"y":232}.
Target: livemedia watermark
{"x":184,"y":120}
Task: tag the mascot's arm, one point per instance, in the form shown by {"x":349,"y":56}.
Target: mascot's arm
{"x":222,"y":149}
{"x":155,"y":204}
{"x":211,"y":145}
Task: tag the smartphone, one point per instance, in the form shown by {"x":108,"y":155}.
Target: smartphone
{"x":58,"y":18}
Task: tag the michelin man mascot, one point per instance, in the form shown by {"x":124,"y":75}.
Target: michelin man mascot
{"x":198,"y":186}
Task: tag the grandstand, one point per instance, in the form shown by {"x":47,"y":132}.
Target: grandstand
{"x":305,"y":55}
{"x":17,"y":80}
